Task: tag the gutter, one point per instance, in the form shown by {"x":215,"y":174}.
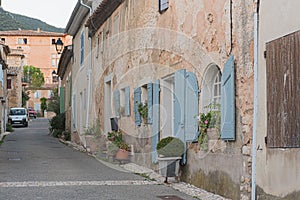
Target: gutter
{"x":89,"y":70}
{"x":255,"y":104}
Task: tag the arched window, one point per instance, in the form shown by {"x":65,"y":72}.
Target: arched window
{"x":211,"y":88}
{"x":216,"y":98}
{"x":211,"y":95}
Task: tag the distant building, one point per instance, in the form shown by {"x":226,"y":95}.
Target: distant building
{"x":15,"y":61}
{"x":39,"y":51}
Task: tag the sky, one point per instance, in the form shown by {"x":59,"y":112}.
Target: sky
{"x":54,"y":12}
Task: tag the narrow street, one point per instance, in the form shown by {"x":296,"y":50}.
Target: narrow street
{"x":34,"y":165}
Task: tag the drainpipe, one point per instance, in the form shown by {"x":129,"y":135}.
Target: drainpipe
{"x":255,"y":100}
{"x":89,"y":70}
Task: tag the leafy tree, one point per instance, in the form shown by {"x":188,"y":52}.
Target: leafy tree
{"x":33,"y":76}
{"x":43,"y":104}
{"x":54,"y":102}
{"x":25,"y":97}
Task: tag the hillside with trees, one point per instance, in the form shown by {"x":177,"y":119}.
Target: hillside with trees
{"x":11,"y":21}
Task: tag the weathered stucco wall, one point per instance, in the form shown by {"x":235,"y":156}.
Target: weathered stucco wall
{"x":189,"y":35}
{"x":278,"y":170}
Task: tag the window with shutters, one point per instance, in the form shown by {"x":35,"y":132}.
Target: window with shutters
{"x":116,"y":24}
{"x":37,"y":94}
{"x":82,"y":47}
{"x":211,"y":89}
{"x":163,"y":5}
{"x":283,"y":86}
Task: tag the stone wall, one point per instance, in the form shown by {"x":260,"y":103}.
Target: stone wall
{"x":188,"y":36}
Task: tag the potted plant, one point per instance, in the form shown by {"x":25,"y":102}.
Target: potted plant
{"x":123,"y":151}
{"x":169,"y":150}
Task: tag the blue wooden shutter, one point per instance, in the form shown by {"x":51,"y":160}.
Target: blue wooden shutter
{"x":228,"y":101}
{"x":117,"y":102}
{"x":62,"y":100}
{"x":163,"y":5}
{"x":82,"y":47}
{"x":191,"y":107}
{"x":155,"y":119}
{"x":179,"y":106}
{"x":149,"y":90}
{"x":137,"y":101}
{"x":127,"y":101}
{"x":74,"y":111}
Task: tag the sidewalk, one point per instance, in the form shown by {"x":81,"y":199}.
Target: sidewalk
{"x":152,"y":175}
{"x":2,"y":135}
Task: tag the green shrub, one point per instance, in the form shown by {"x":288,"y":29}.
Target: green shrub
{"x":57,"y":125}
{"x":170,"y":147}
{"x":9,"y":128}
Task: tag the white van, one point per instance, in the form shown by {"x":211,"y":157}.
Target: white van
{"x":18,"y":116}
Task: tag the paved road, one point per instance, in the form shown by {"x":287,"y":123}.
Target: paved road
{"x":34,"y":165}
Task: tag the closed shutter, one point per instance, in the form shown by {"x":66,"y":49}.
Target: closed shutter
{"x":179,"y":106}
{"x":127,"y":101}
{"x":82,"y":47}
{"x":149,"y":103}
{"x":191,"y":107}
{"x":74,"y":111}
{"x":117,"y":102}
{"x":62,"y":100}
{"x":163,"y":5}
{"x":155,"y":119}
{"x":228,"y":101}
{"x":137,"y":101}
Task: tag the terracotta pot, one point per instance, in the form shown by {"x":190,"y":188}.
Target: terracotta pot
{"x":122,"y":154}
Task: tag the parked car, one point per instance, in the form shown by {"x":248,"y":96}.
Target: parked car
{"x":18,"y":116}
{"x":32,"y":112}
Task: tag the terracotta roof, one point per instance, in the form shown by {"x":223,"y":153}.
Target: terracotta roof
{"x":30,"y":33}
{"x":102,"y":13}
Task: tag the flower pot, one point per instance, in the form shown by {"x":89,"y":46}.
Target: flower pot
{"x":168,"y":166}
{"x":122,"y":154}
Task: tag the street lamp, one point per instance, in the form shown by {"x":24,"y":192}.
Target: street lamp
{"x":54,"y":77}
{"x":59,"y":45}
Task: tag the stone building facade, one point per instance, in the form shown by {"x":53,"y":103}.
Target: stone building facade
{"x":180,"y":58}
{"x":4,"y":51}
{"x":14,"y":77}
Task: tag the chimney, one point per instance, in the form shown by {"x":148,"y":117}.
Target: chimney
{"x":38,"y":29}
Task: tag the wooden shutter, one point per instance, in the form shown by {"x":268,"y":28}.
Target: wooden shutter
{"x":155,"y":119}
{"x":62,"y":100}
{"x":149,"y":102}
{"x":163,"y":5}
{"x":228,"y":101}
{"x":191,"y":107}
{"x":74,"y":111}
{"x":127,"y":101}
{"x":179,"y":106}
{"x":82,"y":47}
{"x":137,"y":101}
{"x":117,"y":102}
{"x":283,"y":86}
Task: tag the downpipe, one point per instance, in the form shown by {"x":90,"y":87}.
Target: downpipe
{"x":255,"y":103}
